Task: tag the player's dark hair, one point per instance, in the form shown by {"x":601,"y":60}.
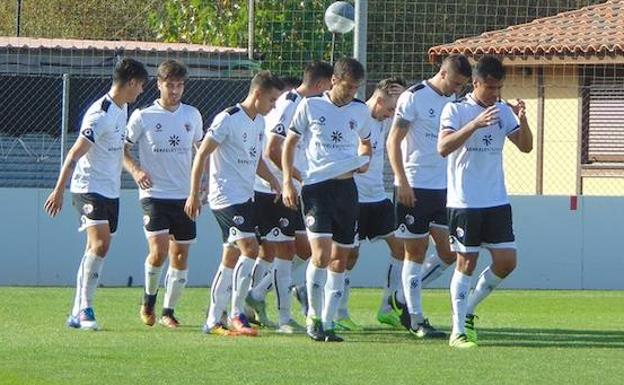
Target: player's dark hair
{"x":172,"y":70}
{"x":317,"y":70}
{"x":349,"y":67}
{"x":385,"y":85}
{"x":291,"y":82}
{"x":266,"y":81}
{"x":489,"y":66}
{"x":127,"y":69}
{"x":458,"y":64}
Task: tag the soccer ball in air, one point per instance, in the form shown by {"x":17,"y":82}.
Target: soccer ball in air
{"x":340,"y":17}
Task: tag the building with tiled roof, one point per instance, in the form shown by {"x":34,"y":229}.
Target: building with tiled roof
{"x":569,"y":68}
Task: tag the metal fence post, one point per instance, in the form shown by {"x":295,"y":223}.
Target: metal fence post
{"x":65,"y":116}
{"x":359,"y":41}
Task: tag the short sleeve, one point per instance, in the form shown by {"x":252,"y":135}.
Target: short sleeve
{"x":449,"y":119}
{"x":285,"y":117}
{"x":134,"y":128}
{"x":406,"y":108}
{"x":510,"y":121}
{"x":92,"y":125}
{"x":198,"y":126}
{"x":364,"y":131}
{"x":300,"y":121}
{"x":220,"y":128}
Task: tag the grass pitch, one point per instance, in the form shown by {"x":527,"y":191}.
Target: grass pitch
{"x":526,"y":337}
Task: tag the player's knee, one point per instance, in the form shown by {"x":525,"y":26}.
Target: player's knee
{"x":99,"y":247}
{"x":447,"y":257}
{"x":503,"y":268}
{"x":249,"y":247}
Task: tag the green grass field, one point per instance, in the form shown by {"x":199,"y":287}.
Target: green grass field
{"x":527,"y":337}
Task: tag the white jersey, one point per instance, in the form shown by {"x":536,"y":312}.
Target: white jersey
{"x":99,"y":170}
{"x":475,"y":170}
{"x":370,"y":185}
{"x":330,"y":134}
{"x":421,"y":105}
{"x":277,"y":121}
{"x":165,"y":141}
{"x":234,"y":163}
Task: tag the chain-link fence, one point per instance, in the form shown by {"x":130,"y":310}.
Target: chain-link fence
{"x":564,"y":58}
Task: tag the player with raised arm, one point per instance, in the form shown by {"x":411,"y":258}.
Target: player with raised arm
{"x":95,"y":163}
{"x":472,"y":135}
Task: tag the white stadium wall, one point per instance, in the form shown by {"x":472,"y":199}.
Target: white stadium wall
{"x":558,"y":248}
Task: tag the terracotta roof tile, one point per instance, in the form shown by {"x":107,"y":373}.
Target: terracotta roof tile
{"x":27,"y":42}
{"x":592,"y":30}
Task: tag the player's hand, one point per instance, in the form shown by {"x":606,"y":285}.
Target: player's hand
{"x":519,"y":108}
{"x":289,"y":195}
{"x":406,"y":195}
{"x":192,"y":207}
{"x":142,"y":179}
{"x":276,"y":188}
{"x":487,"y":117}
{"x":54,"y":203}
{"x":363,"y":169}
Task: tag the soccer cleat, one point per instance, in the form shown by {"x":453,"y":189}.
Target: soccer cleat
{"x":219,"y":330}
{"x":347,"y":324}
{"x":85,"y":320}
{"x":425,"y":330}
{"x":389,"y":318}
{"x":330,"y":336}
{"x":301,"y":295}
{"x":259,"y":308}
{"x":471,"y":332}
{"x":148,"y":316}
{"x":314,"y":329}
{"x":168,"y":319}
{"x":291,"y":327}
{"x":241,"y":325}
{"x":460,"y":341}
{"x":401,"y":309}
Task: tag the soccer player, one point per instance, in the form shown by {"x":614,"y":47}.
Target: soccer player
{"x":420,"y":185}
{"x":165,"y":133}
{"x":472,"y":135}
{"x":234,"y":144}
{"x":376,"y":213}
{"x":334,"y":129}
{"x":277,"y":223}
{"x":95,"y":160}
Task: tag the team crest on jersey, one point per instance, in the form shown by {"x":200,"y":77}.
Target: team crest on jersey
{"x":460,"y":232}
{"x":87,"y":208}
{"x":238,"y":220}
{"x":187,"y":127}
{"x":283,"y":222}
{"x":409,"y":219}
{"x":146,"y":220}
{"x":310,"y":221}
{"x":352,"y":124}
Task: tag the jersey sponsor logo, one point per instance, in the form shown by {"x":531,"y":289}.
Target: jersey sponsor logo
{"x":238,"y":220}
{"x":87,"y":208}
{"x":336,"y":136}
{"x":158,"y":127}
{"x":432,"y":113}
{"x":487,"y":139}
{"x":174,"y":140}
{"x":146,"y":220}
{"x":252,"y":152}
{"x":460,"y":232}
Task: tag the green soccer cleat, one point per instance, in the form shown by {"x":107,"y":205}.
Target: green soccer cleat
{"x":347,"y":324}
{"x":390,"y":317}
{"x":471,"y":332}
{"x":259,"y":308}
{"x":424,"y":330}
{"x":460,"y":341}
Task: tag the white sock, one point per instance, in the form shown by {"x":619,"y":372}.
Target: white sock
{"x":281,"y":280}
{"x":241,"y":282}
{"x":487,"y":282}
{"x":259,"y":291}
{"x":297,"y":262}
{"x":175,"y":281}
{"x":460,"y":285}
{"x":432,"y":269}
{"x":152,"y":278}
{"x":393,"y":282}
{"x":315,"y":285}
{"x":87,"y":279}
{"x":343,"y":308}
{"x":333,"y":293}
{"x":411,"y":287}
{"x":220,"y":291}
{"x":260,"y":270}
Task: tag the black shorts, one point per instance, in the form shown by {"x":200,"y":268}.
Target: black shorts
{"x":429,"y":210}
{"x":95,"y":209}
{"x":237,"y":221}
{"x":276,"y":222}
{"x":331,"y":209}
{"x":376,"y":220}
{"x":490,"y":227}
{"x":167,"y":216}
{"x":299,"y":224}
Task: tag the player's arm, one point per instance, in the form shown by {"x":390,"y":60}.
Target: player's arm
{"x":274,"y":152}
{"x":451,"y":138}
{"x":265,"y":173}
{"x":54,"y":202}
{"x":365,"y":148}
{"x":522,"y":138}
{"x":399,"y":130}
{"x":289,"y":193}
{"x":193,"y":202}
{"x":140,"y":176}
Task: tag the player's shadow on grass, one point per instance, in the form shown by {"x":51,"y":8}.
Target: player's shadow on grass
{"x":559,"y":338}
